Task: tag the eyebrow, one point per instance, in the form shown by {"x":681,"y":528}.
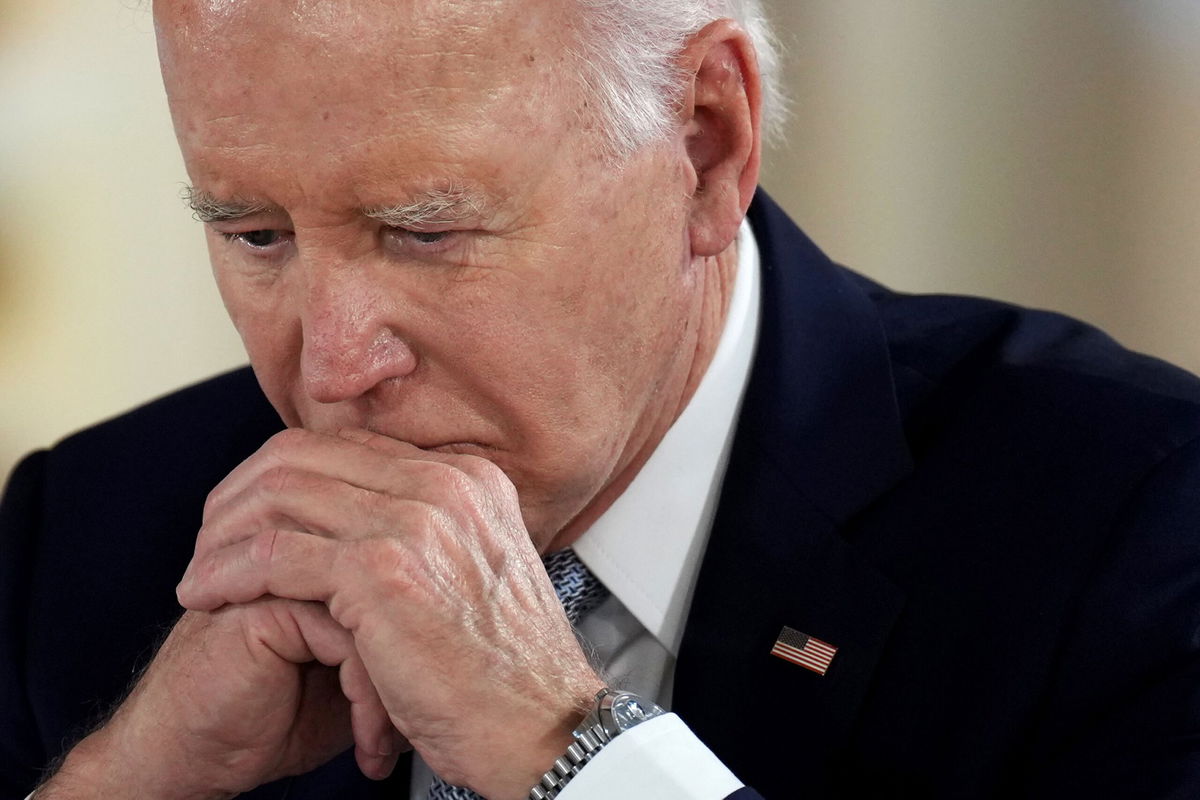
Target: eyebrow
{"x":452,"y":203}
{"x":207,"y":208}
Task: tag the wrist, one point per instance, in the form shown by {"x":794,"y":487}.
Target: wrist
{"x":613,"y":713}
{"x":538,"y":745}
{"x":106,"y":764}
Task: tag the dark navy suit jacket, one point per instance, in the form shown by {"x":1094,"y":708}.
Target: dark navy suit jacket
{"x":993,"y":514}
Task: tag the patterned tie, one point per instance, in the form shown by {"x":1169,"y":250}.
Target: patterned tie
{"x":579,"y":591}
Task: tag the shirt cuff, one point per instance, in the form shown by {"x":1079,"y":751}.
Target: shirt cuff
{"x":660,"y":758}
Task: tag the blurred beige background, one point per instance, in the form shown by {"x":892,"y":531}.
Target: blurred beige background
{"x":1042,"y":151}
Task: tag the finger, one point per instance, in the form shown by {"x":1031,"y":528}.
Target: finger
{"x":373,"y":745}
{"x":284,"y":499}
{"x":311,"y":633}
{"x":378,"y":745}
{"x":369,"y":720}
{"x":334,"y":456}
{"x":447,"y":483}
{"x":323,"y":638}
{"x":282,"y":563}
{"x":377,"y":768}
{"x":272,"y":453}
{"x":248,"y":514}
{"x":476,"y":466}
{"x":333,"y":645}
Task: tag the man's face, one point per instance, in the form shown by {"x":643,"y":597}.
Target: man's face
{"x":415,"y":232}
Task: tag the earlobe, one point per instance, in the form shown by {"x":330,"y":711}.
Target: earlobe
{"x":721,"y":111}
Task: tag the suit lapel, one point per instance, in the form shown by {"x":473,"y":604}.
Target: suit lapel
{"x":819,"y":437}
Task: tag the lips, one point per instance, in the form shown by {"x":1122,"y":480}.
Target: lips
{"x":460,"y":448}
{"x":438,"y":445}
{"x":443,"y":442}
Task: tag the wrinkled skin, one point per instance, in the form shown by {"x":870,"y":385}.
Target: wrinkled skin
{"x":464,"y":391}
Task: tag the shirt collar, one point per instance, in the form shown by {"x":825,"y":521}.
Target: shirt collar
{"x":646,"y":548}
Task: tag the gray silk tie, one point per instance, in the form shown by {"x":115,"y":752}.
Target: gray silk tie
{"x":579,"y":591}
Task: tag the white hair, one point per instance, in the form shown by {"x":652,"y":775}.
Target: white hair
{"x":627,"y":51}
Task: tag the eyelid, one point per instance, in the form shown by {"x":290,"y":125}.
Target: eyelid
{"x":411,"y":236}
{"x":424,"y":227}
{"x":406,"y":242}
{"x":283,"y":238}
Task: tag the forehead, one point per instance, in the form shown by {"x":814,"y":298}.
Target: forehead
{"x":419,"y":79}
{"x":345,"y":28}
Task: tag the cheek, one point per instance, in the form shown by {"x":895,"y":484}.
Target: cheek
{"x":636,"y":319}
{"x":268,"y":332}
{"x":258,"y":322}
{"x":231,"y":284}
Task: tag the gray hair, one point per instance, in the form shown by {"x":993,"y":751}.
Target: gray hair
{"x":627,"y":49}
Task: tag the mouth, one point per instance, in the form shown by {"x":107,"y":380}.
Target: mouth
{"x":460,"y":448}
{"x":436,"y":445}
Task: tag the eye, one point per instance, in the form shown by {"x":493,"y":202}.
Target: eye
{"x":257,"y":240}
{"x":420,"y":243}
{"x":428,"y":237}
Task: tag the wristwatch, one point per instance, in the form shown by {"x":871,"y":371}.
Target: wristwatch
{"x":613,"y":713}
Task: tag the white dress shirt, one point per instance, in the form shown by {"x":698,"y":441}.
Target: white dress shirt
{"x":646,"y":549}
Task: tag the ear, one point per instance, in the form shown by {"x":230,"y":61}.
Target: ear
{"x":721,"y":117}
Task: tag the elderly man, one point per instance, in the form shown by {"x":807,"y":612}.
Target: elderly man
{"x":491,"y":267}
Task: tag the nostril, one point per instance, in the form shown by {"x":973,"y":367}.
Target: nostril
{"x":392,"y":354}
{"x":337,"y":369}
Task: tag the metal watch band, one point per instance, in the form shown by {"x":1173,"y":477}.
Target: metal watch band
{"x":614,"y":711}
{"x":587,"y":743}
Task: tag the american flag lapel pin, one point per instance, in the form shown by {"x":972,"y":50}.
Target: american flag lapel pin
{"x":807,"y":651}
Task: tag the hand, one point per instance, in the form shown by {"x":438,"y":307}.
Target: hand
{"x":424,"y":558}
{"x":233,"y":699}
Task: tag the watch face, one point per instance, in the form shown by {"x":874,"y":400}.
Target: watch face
{"x":628,"y":710}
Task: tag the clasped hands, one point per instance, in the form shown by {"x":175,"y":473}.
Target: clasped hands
{"x":355,"y":588}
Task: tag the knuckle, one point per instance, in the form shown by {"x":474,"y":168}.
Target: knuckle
{"x":211,"y":502}
{"x":384,"y":552}
{"x":263,"y":547}
{"x":444,"y":483}
{"x":286,"y":438}
{"x":460,"y":484}
{"x":498,"y":483}
{"x":279,"y":480}
{"x":278,"y":447}
{"x":275,"y":479}
{"x":203,"y":537}
{"x":377,"y":506}
{"x":452,"y":482}
{"x":200,"y":571}
{"x":382,"y":563}
{"x":484,"y":471}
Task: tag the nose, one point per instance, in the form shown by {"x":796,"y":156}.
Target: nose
{"x":350,"y":340}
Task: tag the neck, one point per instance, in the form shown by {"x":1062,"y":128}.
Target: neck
{"x":712,"y":310}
